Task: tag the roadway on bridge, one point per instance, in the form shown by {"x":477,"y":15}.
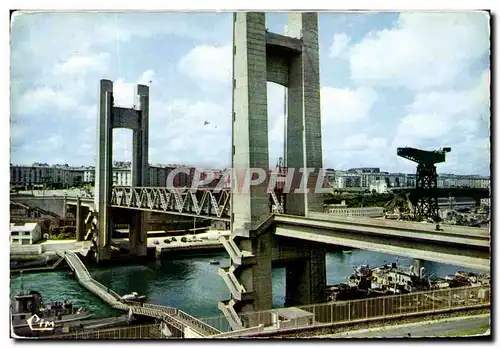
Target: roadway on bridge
{"x":449,"y":327}
{"x":461,"y":246}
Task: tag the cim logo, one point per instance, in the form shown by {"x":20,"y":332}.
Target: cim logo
{"x":43,"y":325}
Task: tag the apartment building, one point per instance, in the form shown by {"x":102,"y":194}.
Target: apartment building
{"x":22,"y":233}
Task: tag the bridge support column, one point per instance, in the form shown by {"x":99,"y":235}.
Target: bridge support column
{"x":80,"y":229}
{"x":303,"y":134}
{"x":104,"y":170}
{"x":306,"y":279}
{"x":257,"y":278}
{"x":138,"y":234}
{"x":111,"y":117}
{"x":292,"y":61}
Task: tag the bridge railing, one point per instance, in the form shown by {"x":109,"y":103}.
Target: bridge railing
{"x":75,"y":263}
{"x":198,"y":324}
{"x":180,"y":317}
{"x":169,"y":310}
{"x":150,"y":331}
{"x":204,"y":202}
{"x":352,"y":311}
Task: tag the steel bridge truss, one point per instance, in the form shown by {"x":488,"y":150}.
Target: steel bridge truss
{"x":206,"y":203}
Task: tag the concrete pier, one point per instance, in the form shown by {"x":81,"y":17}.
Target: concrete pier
{"x":80,"y":229}
{"x":111,"y":117}
{"x":306,"y":279}
{"x":291,"y":60}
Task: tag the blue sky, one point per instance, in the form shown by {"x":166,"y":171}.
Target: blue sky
{"x":387,"y":80}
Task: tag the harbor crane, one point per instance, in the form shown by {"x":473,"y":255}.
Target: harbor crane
{"x":426,"y":182}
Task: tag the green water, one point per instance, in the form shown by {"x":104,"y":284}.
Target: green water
{"x":191,"y":284}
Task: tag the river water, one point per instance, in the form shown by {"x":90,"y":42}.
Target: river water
{"x":191,"y":284}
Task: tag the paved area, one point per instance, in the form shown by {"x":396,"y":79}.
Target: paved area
{"x":451,"y":327}
{"x":200,"y":240}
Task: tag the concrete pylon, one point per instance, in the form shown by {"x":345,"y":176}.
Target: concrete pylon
{"x":111,"y":117}
{"x":260,"y":56}
{"x":79,"y":233}
{"x":303,"y":136}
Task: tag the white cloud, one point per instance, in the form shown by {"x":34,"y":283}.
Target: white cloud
{"x":45,"y":98}
{"x":423,"y":50}
{"x":208,"y":63}
{"x":146,"y":77}
{"x":346,"y":105}
{"x":362,"y":141}
{"x":122,"y":145}
{"x":339,"y":45}
{"x":422,"y":126}
{"x":124,"y":92}
{"x":471,"y":156}
{"x":445,"y":115}
{"x":82,"y":64}
{"x":190,"y":131}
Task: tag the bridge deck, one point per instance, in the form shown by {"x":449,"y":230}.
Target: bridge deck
{"x":408,"y":225}
{"x":462,"y":246}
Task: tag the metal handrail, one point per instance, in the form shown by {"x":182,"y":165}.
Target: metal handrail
{"x":202,"y":325}
{"x":158,"y":311}
{"x":377,"y":307}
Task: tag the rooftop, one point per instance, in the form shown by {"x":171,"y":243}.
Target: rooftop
{"x":23,"y":226}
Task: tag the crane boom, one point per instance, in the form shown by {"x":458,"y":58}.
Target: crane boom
{"x":423,"y":156}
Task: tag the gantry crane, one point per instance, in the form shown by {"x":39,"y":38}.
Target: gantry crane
{"x":426,"y":182}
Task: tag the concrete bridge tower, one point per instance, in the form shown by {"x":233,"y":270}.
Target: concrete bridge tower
{"x":111,"y":117}
{"x":291,"y":60}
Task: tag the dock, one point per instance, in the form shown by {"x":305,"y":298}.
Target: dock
{"x":38,"y":269}
{"x":194,"y":242}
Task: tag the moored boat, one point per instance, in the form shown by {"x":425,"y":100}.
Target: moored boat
{"x":31,"y":316}
{"x":134,"y":296}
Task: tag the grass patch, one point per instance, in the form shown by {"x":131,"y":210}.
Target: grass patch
{"x":469,"y":332}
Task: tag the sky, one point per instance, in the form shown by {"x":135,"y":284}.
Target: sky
{"x":387,"y":80}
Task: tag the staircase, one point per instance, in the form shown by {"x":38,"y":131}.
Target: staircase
{"x":90,"y":225}
{"x":237,"y":290}
{"x":61,"y":259}
{"x":227,"y":307}
{"x":239,"y":259}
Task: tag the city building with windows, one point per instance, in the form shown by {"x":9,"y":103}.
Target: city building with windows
{"x":122,"y":177}
{"x":75,"y":177}
{"x":89,"y":175}
{"x":42,"y":175}
{"x":378,"y":186}
{"x":24,"y":233}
